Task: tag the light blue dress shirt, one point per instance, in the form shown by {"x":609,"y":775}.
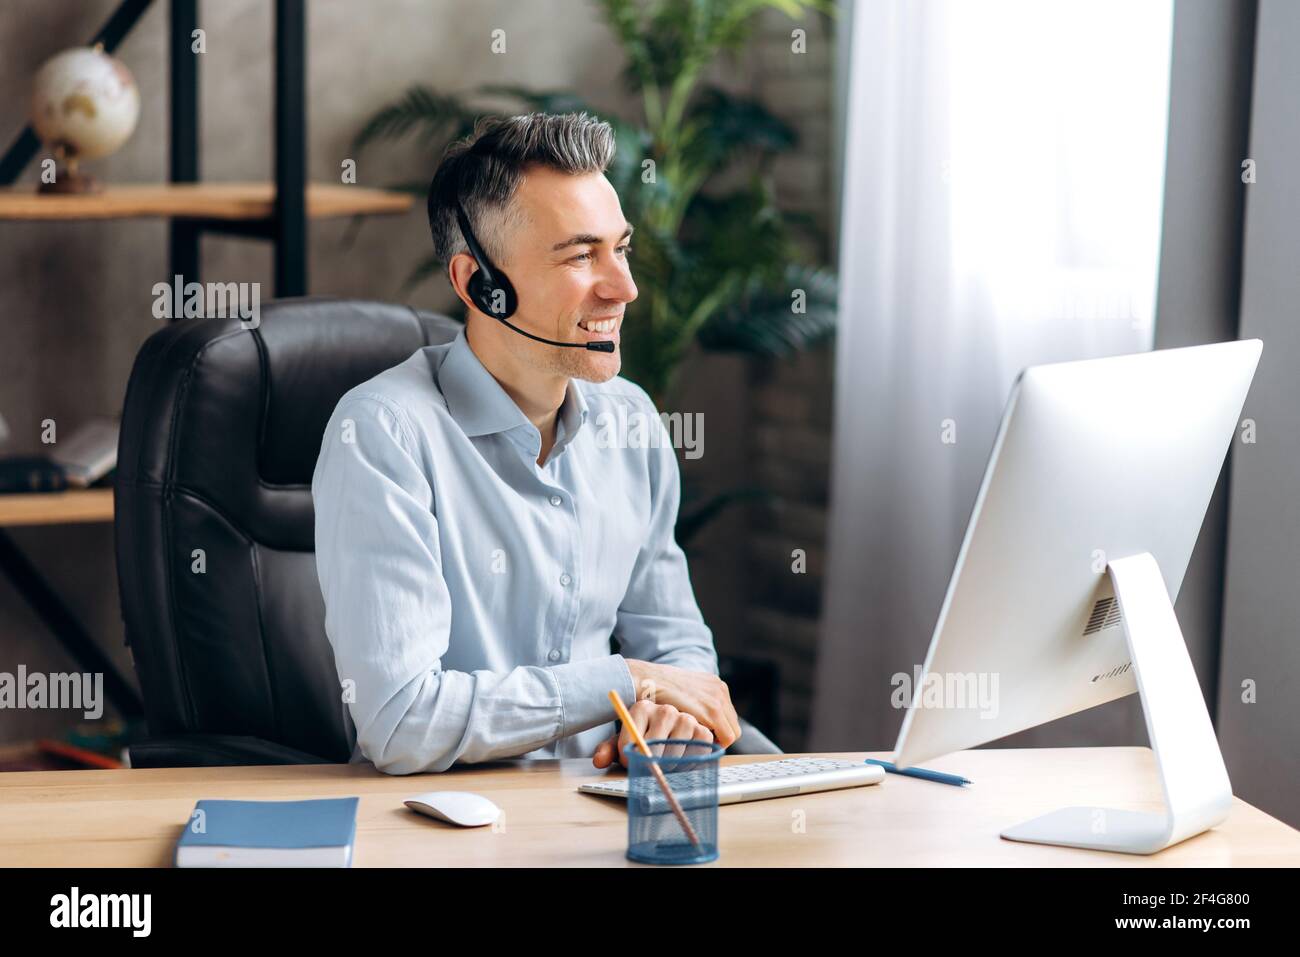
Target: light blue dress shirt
{"x":470,"y":593}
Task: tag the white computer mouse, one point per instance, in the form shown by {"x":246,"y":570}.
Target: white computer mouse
{"x":455,"y":807}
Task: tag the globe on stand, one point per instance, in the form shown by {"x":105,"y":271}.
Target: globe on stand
{"x":85,"y":105}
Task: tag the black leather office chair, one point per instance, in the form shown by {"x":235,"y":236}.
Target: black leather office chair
{"x":214,"y":527}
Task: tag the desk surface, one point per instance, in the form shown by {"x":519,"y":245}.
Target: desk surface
{"x":133,"y":817}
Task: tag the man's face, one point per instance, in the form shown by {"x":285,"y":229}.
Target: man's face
{"x":569,"y":266}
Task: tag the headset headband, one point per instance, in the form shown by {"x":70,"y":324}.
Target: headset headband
{"x":475,"y":250}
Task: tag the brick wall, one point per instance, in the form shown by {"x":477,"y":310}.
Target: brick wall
{"x":790,"y":400}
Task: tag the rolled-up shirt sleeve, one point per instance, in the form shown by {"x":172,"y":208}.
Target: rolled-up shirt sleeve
{"x":659,"y":619}
{"x":388,"y":616}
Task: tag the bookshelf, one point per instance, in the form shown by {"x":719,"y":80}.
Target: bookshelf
{"x":74,"y":507}
{"x":276,"y":212}
{"x":231,"y":202}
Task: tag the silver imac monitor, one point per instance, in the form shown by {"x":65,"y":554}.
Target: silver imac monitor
{"x":1062,"y":593}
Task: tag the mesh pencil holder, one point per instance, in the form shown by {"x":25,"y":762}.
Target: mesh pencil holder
{"x":655,"y":834}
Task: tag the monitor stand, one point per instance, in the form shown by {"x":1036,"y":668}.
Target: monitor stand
{"x":1198,"y":794}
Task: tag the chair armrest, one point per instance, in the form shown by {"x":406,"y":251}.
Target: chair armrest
{"x":752,"y":741}
{"x":214,"y":751}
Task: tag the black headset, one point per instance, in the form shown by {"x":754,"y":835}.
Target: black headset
{"x":491,"y":291}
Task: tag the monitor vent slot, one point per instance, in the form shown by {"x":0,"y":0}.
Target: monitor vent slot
{"x":1105,"y":614}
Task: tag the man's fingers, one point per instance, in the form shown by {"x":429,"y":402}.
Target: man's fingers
{"x":724,"y":731}
{"x":652,"y":722}
{"x":625,"y":739}
{"x":661,"y":726}
{"x":604,"y":755}
{"x":623,"y":742}
{"x":683,"y":730}
{"x":733,"y":720}
{"x":651,"y":727}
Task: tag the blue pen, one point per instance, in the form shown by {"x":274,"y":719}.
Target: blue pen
{"x":937,"y":776}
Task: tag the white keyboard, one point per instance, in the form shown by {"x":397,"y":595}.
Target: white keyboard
{"x":759,"y":780}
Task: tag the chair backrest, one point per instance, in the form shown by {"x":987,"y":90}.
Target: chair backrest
{"x":214,"y":524}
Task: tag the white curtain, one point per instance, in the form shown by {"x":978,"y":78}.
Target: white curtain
{"x":1001,"y":206}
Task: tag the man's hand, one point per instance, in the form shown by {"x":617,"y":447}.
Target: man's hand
{"x":702,"y":695}
{"x":653,"y":721}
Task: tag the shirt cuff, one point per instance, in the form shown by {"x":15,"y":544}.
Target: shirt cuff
{"x":584,"y":688}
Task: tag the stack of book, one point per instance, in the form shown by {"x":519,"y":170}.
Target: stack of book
{"x":79,"y":461}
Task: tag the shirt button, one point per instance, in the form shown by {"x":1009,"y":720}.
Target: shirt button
{"x":556,"y":500}
{"x":565,"y":580}
{"x":554,"y":655}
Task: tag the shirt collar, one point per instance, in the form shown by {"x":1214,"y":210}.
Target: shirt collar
{"x":481,"y":407}
{"x":573,"y":415}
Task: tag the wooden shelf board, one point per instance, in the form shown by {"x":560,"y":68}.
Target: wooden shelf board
{"x":233,"y":201}
{"x":57,"y":508}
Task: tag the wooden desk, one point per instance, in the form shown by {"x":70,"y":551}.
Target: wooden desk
{"x":133,"y":817}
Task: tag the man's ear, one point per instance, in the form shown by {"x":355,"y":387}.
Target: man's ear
{"x":461,"y":267}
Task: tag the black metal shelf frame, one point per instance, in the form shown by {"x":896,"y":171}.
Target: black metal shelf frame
{"x":285,"y":228}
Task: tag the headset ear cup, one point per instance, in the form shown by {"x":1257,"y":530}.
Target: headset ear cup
{"x":497,"y":299}
{"x":509,"y":299}
{"x":476,"y":290}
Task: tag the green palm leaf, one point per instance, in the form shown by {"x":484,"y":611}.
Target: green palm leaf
{"x":421,"y":110}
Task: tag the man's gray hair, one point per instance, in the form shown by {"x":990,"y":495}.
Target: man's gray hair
{"x":486,"y":167}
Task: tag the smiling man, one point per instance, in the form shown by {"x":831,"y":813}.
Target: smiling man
{"x":476,"y":545}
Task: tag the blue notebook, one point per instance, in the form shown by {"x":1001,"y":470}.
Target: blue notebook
{"x":269,"y":834}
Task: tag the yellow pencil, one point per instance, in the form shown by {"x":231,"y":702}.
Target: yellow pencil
{"x":654,"y":767}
